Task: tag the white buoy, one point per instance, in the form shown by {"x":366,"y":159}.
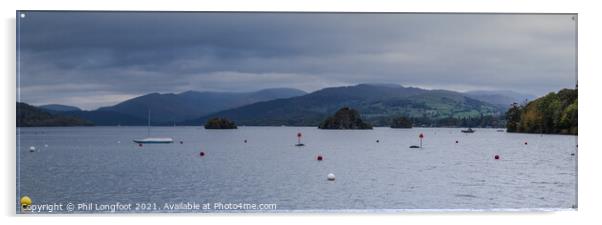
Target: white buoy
{"x":331,"y":176}
{"x":32,"y":149}
{"x":46,"y":146}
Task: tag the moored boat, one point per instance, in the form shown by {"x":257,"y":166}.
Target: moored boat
{"x":152,"y":140}
{"x":469,"y":130}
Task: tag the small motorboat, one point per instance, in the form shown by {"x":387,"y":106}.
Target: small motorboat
{"x":469,"y":130}
{"x":151,"y":140}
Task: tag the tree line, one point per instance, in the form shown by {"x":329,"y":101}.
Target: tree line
{"x":555,"y":113}
{"x":483,"y":121}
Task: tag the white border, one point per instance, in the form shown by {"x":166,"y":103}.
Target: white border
{"x":589,"y":77}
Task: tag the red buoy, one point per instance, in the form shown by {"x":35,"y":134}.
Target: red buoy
{"x":299,"y":139}
{"x":319,"y":158}
{"x":202,"y":154}
{"x":496,"y":157}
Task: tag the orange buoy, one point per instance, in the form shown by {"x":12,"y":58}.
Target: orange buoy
{"x":202,"y":154}
{"x":319,"y":158}
{"x":496,"y":157}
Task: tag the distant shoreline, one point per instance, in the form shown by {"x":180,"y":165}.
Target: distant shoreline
{"x":239,"y":127}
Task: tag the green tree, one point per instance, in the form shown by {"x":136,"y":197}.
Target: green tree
{"x":513,"y":117}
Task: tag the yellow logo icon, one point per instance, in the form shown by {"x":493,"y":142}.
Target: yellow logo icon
{"x":25,"y":202}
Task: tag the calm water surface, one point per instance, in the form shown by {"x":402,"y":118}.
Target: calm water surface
{"x":103,"y":165}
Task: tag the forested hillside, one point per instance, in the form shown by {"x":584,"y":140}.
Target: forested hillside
{"x":555,"y":113}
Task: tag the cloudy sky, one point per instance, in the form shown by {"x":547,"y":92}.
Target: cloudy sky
{"x":96,"y":59}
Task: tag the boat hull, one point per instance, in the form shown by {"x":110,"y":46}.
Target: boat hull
{"x":154,"y":141}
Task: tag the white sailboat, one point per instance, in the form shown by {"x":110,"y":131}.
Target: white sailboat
{"x":153,"y":140}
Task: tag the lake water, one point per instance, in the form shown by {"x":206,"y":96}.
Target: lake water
{"x":102,"y":165}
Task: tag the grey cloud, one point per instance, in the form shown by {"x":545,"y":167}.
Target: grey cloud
{"x":126,"y":54}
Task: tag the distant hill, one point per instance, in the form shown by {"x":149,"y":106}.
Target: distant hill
{"x":108,"y":118}
{"x":171,"y":108}
{"x":502,"y":98}
{"x":31,"y":116}
{"x":163,"y":107}
{"x":59,"y":108}
{"x":377,"y":103}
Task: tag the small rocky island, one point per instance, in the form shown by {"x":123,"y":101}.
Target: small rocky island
{"x":345,"y":119}
{"x":401,"y":122}
{"x":220,"y":123}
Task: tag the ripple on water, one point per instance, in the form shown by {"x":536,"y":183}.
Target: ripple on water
{"x":465,"y":196}
{"x":270,"y":169}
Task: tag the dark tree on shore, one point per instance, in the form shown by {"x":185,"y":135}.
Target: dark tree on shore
{"x":401,"y":122}
{"x":220,"y":123}
{"x":513,"y":117}
{"x":345,"y":118}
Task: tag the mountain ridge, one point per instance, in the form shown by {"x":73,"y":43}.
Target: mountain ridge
{"x":59,"y":107}
{"x":376,"y":103}
{"x":170,"y":108}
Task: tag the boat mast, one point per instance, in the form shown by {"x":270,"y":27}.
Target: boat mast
{"x":148,"y":126}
